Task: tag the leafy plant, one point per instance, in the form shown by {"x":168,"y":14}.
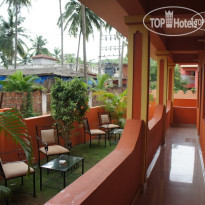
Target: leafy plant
{"x":69,"y":103}
{"x":13,"y":126}
{"x":179,"y":83}
{"x":101,"y":83}
{"x":153,"y":85}
{"x":151,"y":97}
{"x":116,"y":104}
{"x":17,"y":82}
{"x":193,"y":90}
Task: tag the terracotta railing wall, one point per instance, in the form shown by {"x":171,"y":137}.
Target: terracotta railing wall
{"x":169,"y":110}
{"x":185,"y":111}
{"x":155,"y":132}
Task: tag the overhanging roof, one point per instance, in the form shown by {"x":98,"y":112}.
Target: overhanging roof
{"x":184,"y":49}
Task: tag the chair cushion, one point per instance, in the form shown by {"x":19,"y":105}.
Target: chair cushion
{"x":97,"y":132}
{"x":110,"y":126}
{"x":15,"y":169}
{"x":48,"y":136}
{"x":54,"y":149}
{"x":105,"y":119}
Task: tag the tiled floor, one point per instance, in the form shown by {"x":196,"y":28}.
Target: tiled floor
{"x":177,"y":178}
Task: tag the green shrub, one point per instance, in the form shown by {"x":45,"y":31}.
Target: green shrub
{"x":69,"y":103}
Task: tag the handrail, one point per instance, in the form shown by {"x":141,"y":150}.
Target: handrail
{"x":155,"y":134}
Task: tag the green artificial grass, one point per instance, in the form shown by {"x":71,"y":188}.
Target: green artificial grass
{"x":91,"y":156}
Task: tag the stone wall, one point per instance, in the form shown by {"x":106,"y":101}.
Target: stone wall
{"x":17,"y":99}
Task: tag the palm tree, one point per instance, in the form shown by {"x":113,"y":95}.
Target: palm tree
{"x":38,"y":46}
{"x":7,"y":36}
{"x":84,"y":42}
{"x":17,"y":4}
{"x":17,"y":82}
{"x":26,"y":59}
{"x":100,"y":50}
{"x":13,"y":126}
{"x":102,"y":83}
{"x":56,"y":53}
{"x":69,"y":58}
{"x":61,"y":25}
{"x":72,"y":19}
{"x":4,"y":60}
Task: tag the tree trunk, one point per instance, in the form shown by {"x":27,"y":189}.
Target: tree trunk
{"x":84,"y":41}
{"x":77,"y":58}
{"x":15,"y":49}
{"x":62,"y":58}
{"x":100,"y":49}
{"x":121,"y":65}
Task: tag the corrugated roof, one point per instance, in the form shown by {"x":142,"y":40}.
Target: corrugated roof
{"x":62,"y":72}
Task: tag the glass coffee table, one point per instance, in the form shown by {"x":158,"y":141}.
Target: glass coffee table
{"x":63,"y":163}
{"x":116,"y":132}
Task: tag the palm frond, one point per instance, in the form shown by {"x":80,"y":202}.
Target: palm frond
{"x":5,"y":192}
{"x":12,"y":125}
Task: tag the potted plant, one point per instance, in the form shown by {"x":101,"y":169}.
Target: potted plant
{"x":69,"y":103}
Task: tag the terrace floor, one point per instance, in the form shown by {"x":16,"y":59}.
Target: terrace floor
{"x":177,"y":177}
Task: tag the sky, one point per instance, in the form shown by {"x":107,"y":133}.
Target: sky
{"x":41,"y":19}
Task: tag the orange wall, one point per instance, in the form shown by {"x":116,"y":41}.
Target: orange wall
{"x":152,"y":106}
{"x":115,"y":179}
{"x":184,"y":115}
{"x":78,"y":133}
{"x":185,"y":111}
{"x":6,"y":144}
{"x":185,"y":102}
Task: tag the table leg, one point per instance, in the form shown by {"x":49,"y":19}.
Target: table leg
{"x":64,"y":179}
{"x":40,"y":178}
{"x":82,"y":166}
{"x":109,"y":137}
